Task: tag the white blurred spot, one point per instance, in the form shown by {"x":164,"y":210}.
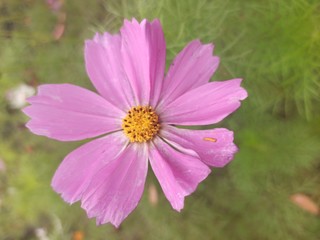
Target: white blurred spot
{"x":41,"y":234}
{"x":17,"y":96}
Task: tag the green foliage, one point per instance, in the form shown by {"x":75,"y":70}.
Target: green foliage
{"x":273,"y":45}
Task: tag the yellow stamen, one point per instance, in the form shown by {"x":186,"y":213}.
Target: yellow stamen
{"x":209,"y":139}
{"x":141,"y":124}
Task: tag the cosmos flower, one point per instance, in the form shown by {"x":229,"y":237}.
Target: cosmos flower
{"x":137,"y":110}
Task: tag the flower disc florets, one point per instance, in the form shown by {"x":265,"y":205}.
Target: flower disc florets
{"x":141,"y":124}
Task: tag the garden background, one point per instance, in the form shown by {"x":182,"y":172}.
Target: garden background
{"x":269,"y":191}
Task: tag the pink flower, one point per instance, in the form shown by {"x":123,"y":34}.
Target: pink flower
{"x":138,"y":108}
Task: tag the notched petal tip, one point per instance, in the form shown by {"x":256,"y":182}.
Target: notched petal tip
{"x":178,"y":208}
{"x":25,"y":110}
{"x":128,"y":23}
{"x":88,"y":42}
{"x":156,"y":21}
{"x":96,"y":37}
{"x":209,"y":47}
{"x":135,"y":21}
{"x":243,"y":91}
{"x":40,"y":130}
{"x":30,"y":99}
{"x":100,"y":221}
{"x":142,"y":22}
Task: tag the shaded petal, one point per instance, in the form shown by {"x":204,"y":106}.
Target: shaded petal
{"x":206,"y":104}
{"x":104,"y":67}
{"x":80,"y":166}
{"x":143,"y":55}
{"x":215,"y":147}
{"x":67,"y":112}
{"x":178,"y":173}
{"x":191,"y":68}
{"x":116,"y":189}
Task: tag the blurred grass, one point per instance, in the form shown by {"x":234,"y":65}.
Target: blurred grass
{"x":273,"y":45}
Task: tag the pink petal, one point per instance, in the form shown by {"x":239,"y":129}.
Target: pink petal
{"x":78,"y":168}
{"x":143,"y":55}
{"x":191,"y":68}
{"x":215,"y":147}
{"x":178,"y":173}
{"x":207,"y":104}
{"x":67,"y":112}
{"x":116,"y":189}
{"x":104,"y":67}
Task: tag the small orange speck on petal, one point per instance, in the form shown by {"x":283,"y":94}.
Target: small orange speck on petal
{"x":209,"y":139}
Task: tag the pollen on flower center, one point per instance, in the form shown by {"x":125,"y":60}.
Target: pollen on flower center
{"x":141,"y":124}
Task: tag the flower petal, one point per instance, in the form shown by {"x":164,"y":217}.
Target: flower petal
{"x":116,"y":189}
{"x":78,"y":168}
{"x":104,"y":67}
{"x":67,"y":112}
{"x":207,"y":104}
{"x":215,"y":147}
{"x":178,"y":173}
{"x":143,"y":55}
{"x":191,"y":68}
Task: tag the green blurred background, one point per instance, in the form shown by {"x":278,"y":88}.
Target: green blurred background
{"x":269,"y":191}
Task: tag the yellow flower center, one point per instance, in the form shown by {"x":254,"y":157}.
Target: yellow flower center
{"x":141,"y":124}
